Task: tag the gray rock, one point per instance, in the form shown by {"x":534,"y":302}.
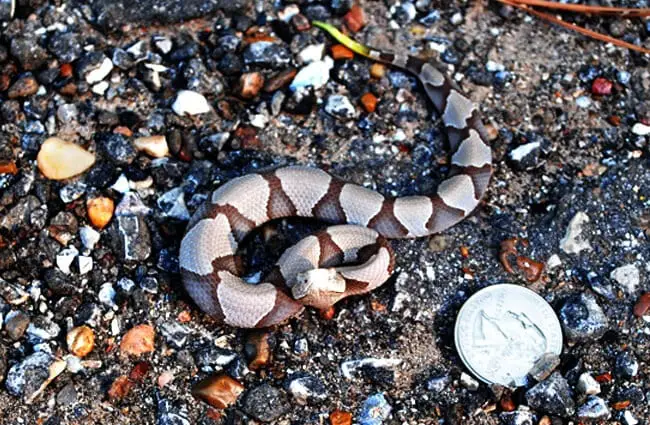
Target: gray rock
{"x":265,"y":403}
{"x":42,"y":329}
{"x":72,"y":192}
{"x":12,"y":293}
{"x":210,"y":357}
{"x":574,"y":241}
{"x":67,"y":396}
{"x":544,"y":366}
{"x":582,"y":318}
{"x":28,"y":52}
{"x":627,"y":277}
{"x":594,"y":409}
{"x":16,"y":324}
{"x":94,"y":67}
{"x":131,"y":237}
{"x":627,"y":366}
{"x":552,"y":396}
{"x":175,"y":334}
{"x":306,"y":388}
{"x":66,"y":46}
{"x":172,"y":204}
{"x":267,"y":54}
{"x":375,"y":410}
{"x":340,"y":106}
{"x":120,"y":150}
{"x":26,"y":377}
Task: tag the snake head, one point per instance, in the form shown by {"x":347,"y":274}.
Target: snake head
{"x":319,"y":288}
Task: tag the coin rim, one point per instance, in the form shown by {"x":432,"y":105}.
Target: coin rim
{"x":492,"y":288}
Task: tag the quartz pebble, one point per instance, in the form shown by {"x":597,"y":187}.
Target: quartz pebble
{"x":627,"y":277}
{"x":189,"y":102}
{"x":375,"y":410}
{"x":587,"y":385}
{"x":60,"y":160}
{"x":574,"y":241}
{"x":80,"y":340}
{"x":155,"y":146}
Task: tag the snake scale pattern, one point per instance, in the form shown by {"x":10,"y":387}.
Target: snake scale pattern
{"x":316,"y":271}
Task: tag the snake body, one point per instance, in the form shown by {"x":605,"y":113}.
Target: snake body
{"x":311,"y":272}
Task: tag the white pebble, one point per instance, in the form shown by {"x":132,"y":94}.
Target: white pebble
{"x":572,"y":243}
{"x":85,"y":264}
{"x":627,"y":277}
{"x":121,"y":185}
{"x":587,"y":385}
{"x":641,"y":129}
{"x":107,"y":294}
{"x":65,"y":258}
{"x":98,"y":74}
{"x":311,"y":53}
{"x":100,"y":88}
{"x":189,"y":102}
{"x":316,"y":75}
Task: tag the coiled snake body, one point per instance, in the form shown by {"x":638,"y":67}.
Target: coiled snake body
{"x":310,"y":273}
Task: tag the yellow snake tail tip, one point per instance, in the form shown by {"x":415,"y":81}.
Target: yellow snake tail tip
{"x":342,"y":38}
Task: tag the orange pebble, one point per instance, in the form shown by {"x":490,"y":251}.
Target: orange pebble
{"x":100,"y":211}
{"x":369,"y":102}
{"x":339,"y":51}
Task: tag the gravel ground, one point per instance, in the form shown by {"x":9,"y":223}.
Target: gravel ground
{"x":96,"y":327}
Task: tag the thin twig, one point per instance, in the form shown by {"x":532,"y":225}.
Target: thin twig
{"x":581,"y":8}
{"x":589,"y":33}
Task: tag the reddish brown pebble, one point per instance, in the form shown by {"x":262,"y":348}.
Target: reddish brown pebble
{"x":8,"y":167}
{"x":120,"y":388}
{"x":545,"y":421}
{"x":258,"y":349}
{"x":532,"y":269}
{"x":464,"y":251}
{"x":100,"y":211}
{"x":80,"y":340}
{"x":251,"y":84}
{"x":620,"y":405}
{"x":642,"y":306}
{"x":355,"y":19}
{"x":369,"y":102}
{"x":377,"y":306}
{"x":25,"y":86}
{"x":508,"y":248}
{"x":339,"y":417}
{"x":603,"y":378}
{"x":601,"y":87}
{"x":124,"y":131}
{"x":139,"y":371}
{"x":247,"y":137}
{"x":138,"y":340}
{"x":506,"y":403}
{"x":614,"y":120}
{"x":65,"y":70}
{"x":339,"y":51}
{"x":377,"y":70}
{"x":218,"y":391}
{"x":280,"y":80}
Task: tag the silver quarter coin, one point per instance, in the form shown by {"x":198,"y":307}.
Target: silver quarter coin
{"x":502,"y":330}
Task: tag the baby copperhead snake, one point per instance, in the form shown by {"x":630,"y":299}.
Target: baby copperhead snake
{"x":310,"y":273}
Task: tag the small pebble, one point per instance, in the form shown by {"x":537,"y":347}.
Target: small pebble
{"x":60,"y":160}
{"x":190,"y":103}
{"x":218,"y":391}
{"x":138,"y":340}
{"x":81,"y":341}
